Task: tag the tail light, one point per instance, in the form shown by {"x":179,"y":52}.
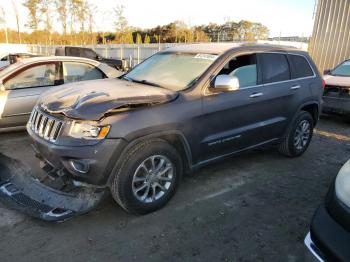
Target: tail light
{"x":323,"y":84}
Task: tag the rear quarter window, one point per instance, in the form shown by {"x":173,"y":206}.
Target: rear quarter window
{"x":275,"y":67}
{"x":300,"y":66}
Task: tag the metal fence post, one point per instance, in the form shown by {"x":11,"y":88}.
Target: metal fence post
{"x":138,"y":54}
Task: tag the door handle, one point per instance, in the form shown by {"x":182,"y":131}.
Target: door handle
{"x":256,"y":95}
{"x":295,"y":87}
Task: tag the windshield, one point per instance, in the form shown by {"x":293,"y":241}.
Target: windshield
{"x":175,"y":71}
{"x":342,"y":69}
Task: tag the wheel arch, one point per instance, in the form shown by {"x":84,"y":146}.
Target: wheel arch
{"x":313,"y":109}
{"x":174,"y":137}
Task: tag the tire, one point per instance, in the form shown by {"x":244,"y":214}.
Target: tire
{"x":131,"y":175}
{"x":288,"y":145}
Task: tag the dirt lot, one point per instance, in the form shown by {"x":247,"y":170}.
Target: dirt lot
{"x":253,"y":207}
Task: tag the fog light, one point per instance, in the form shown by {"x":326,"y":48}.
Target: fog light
{"x":80,"y":166}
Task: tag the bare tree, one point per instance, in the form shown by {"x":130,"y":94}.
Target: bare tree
{"x":3,"y":23}
{"x":121,"y":24}
{"x":17,"y":21}
{"x":83,"y":12}
{"x":91,"y":10}
{"x":45,"y":11}
{"x":33,"y":8}
{"x":62,"y":9}
{"x":73,"y":11}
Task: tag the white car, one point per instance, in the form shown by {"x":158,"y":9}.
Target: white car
{"x":11,"y":58}
{"x":336,"y":96}
{"x":22,"y":83}
{"x":329,"y":236}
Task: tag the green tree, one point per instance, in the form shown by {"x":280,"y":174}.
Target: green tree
{"x":147,"y":39}
{"x":138,"y":39}
{"x":128,"y":38}
{"x":260,"y":31}
{"x":245,"y":30}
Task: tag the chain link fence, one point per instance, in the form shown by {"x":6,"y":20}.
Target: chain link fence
{"x":133,"y":54}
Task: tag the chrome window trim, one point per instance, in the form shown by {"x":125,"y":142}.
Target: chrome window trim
{"x":207,"y":88}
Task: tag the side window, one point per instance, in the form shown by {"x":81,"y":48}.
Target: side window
{"x":73,"y":51}
{"x":89,"y":54}
{"x":300,"y":67}
{"x":274,"y":67}
{"x":36,"y":76}
{"x":5,"y":58}
{"x":244,"y":68}
{"x":74,"y":72}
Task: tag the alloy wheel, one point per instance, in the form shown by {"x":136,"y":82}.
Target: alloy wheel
{"x":153,"y":178}
{"x":302,"y":134}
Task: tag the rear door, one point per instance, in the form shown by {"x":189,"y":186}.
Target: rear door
{"x":23,"y":89}
{"x":279,"y":91}
{"x":303,"y":75}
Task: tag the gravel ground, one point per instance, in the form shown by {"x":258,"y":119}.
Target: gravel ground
{"x":252,"y":207}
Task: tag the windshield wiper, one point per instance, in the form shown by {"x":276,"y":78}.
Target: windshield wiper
{"x":141,"y":81}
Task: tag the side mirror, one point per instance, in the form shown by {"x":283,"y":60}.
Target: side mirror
{"x":226,"y":83}
{"x":326,"y":71}
{"x":98,"y":58}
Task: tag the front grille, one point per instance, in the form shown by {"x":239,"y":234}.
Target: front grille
{"x":44,"y":125}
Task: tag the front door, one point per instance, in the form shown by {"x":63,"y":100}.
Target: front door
{"x":23,"y":90}
{"x":232,"y":120}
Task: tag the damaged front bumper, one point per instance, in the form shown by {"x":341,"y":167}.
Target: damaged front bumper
{"x":20,"y":190}
{"x":339,"y":104}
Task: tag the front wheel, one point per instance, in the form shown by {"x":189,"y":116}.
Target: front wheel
{"x":148,"y":177}
{"x":298,"y":137}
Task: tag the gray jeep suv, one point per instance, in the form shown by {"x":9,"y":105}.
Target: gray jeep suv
{"x":177,"y":111}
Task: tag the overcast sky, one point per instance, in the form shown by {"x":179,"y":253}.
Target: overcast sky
{"x":285,"y":17}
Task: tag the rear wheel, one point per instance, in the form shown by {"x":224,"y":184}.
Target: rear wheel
{"x":299,"y":136}
{"x":148,"y":177}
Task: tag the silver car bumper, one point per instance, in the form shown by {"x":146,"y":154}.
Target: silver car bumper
{"x":312,"y":247}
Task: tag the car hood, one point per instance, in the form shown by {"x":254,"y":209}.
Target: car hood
{"x":91,"y":100}
{"x":337,"y":80}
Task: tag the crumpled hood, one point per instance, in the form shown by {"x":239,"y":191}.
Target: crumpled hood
{"x":91,"y":100}
{"x":337,"y":80}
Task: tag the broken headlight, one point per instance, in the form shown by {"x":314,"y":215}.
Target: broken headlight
{"x":342,"y":184}
{"x":88,"y":130}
